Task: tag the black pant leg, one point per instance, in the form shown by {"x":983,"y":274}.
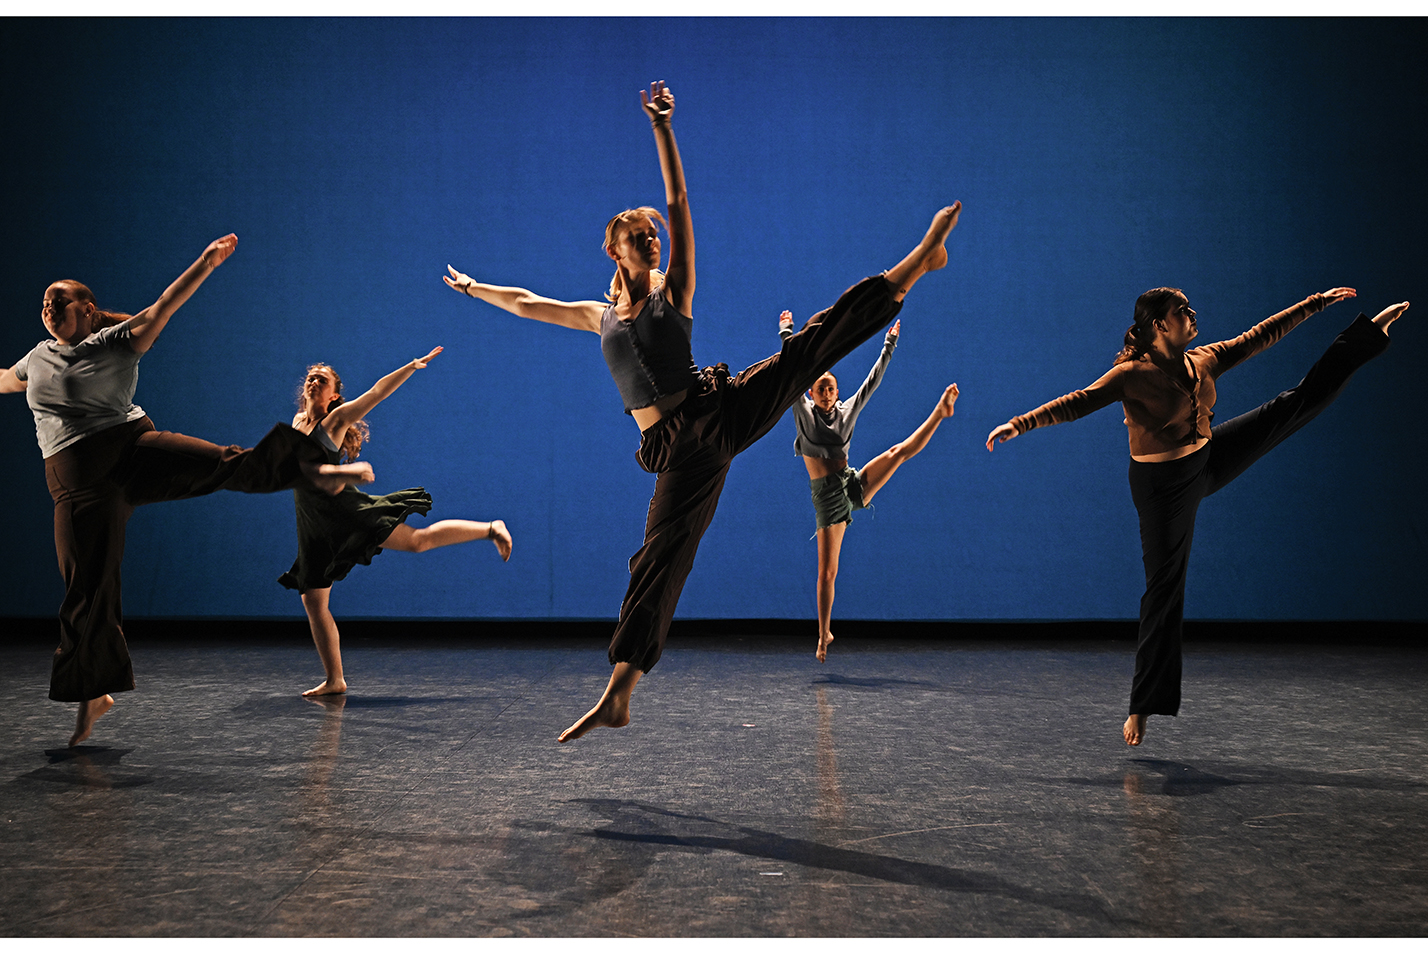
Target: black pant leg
{"x":91,"y":515}
{"x":761,"y":393}
{"x":1240,"y":442}
{"x":1167,"y":496}
{"x":683,"y":504}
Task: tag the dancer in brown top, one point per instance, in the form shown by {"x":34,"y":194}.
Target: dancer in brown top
{"x":692,"y":422}
{"x":1178,"y":458}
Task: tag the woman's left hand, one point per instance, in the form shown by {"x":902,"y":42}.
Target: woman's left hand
{"x":659,"y":105}
{"x":219,"y":249}
{"x":1339,"y":294}
{"x":420,"y":363}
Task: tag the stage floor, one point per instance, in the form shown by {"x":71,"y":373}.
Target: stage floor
{"x":905,"y":788}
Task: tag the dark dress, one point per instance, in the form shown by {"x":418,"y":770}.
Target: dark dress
{"x":335,"y":533}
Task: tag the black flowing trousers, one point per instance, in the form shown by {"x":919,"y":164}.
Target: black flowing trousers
{"x":691,"y":450}
{"x":1167,"y":496}
{"x":96,"y":483}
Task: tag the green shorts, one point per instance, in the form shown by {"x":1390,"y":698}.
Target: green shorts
{"x":836,"y":496}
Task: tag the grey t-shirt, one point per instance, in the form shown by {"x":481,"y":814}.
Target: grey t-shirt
{"x":81,"y":389}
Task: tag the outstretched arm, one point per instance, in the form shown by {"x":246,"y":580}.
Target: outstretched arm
{"x":580,"y":315}
{"x":679,"y":276}
{"x":875,"y":375}
{"x":349,"y":413}
{"x":10,"y":383}
{"x":144,"y":328}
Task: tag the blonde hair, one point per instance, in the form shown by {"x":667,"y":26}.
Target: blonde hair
{"x":612,"y":235}
{"x":357,"y":435}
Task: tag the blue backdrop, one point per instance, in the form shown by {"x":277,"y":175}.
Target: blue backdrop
{"x":1249,"y":162}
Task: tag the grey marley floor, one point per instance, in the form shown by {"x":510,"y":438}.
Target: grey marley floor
{"x":905,"y":788}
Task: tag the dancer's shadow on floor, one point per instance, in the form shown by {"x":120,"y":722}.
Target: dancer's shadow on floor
{"x":84,"y":766}
{"x":645,"y":827}
{"x":853,"y":682}
{"x":1179,"y":779}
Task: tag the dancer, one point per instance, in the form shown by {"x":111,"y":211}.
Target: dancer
{"x":103,"y":458}
{"x":825,"y":432}
{"x":1178,"y":459}
{"x":692,"y":423}
{"x":335,"y":533}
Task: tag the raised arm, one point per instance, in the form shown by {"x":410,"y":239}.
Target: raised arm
{"x":679,"y":276}
{"x":350,"y":412}
{"x":875,"y":375}
{"x":524,"y":303}
{"x":144,"y":328}
{"x":10,"y":383}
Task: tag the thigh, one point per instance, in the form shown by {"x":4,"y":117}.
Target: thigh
{"x":163,"y":465}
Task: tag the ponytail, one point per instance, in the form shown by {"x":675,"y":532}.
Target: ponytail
{"x":1148,"y":307}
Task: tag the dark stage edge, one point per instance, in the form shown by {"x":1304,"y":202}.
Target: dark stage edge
{"x":906,"y":788}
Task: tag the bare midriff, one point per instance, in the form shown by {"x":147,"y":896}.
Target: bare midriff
{"x":820,"y":467}
{"x":648,"y":417}
{"x":1175,"y":454}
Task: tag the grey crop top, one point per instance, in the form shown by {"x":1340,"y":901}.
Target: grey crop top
{"x":829,"y":434}
{"x":649,"y":357}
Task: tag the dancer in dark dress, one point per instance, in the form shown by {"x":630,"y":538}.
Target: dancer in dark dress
{"x":692,"y":422}
{"x":336,"y":532}
{"x":103,"y":457}
{"x":1178,"y":459}
{"x":825,"y":435}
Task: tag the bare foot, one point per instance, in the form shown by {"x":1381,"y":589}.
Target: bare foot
{"x":1389,"y":315}
{"x":328,"y":687}
{"x":331,"y":478}
{"x":501,"y":537}
{"x":929,"y":255}
{"x":1134,"y":729}
{"x":613,"y":709}
{"x":89,"y":713}
{"x":934,"y":244}
{"x":823,"y":641}
{"x":948,"y":404}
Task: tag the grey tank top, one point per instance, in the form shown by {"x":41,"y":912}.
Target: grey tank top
{"x":650,"y":356}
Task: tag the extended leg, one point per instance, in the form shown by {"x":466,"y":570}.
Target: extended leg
{"x":445,"y":533}
{"x":329,"y":644}
{"x":929,"y":255}
{"x":830,"y":544}
{"x":877,"y":471}
{"x":1238,"y":443}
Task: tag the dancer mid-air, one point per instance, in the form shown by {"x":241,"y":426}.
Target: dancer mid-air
{"x":1178,"y":459}
{"x":336,"y":532}
{"x":693,"y":423}
{"x":103,"y":458}
{"x":825,"y":433}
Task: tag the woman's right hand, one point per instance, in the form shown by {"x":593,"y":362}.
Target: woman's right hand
{"x":420,"y":363}
{"x":785,"y":318}
{"x":659,"y":105}
{"x":458,"y":280}
{"x":1338,"y":294}
{"x":1001,"y":435}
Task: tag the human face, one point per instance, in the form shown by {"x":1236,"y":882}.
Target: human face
{"x":637,"y":246}
{"x":1179,"y":326}
{"x":825,"y":392}
{"x":67,"y":320}
{"x":320,"y":389}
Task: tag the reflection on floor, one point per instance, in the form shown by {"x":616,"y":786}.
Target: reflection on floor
{"x":905,"y":788}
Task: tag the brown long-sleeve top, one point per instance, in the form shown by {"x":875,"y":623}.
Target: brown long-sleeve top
{"x":1161,"y":414}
